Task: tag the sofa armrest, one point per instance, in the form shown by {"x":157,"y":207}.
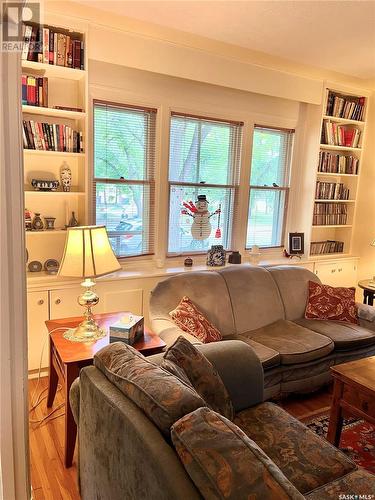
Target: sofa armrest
{"x":169,"y":331}
{"x":239,"y":368}
{"x":74,"y":395}
{"x":366,"y":312}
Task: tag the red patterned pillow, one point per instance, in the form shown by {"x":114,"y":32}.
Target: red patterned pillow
{"x":189,"y":318}
{"x":331,"y":303}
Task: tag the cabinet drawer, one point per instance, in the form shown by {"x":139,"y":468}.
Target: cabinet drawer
{"x":359,"y":400}
{"x":37,"y":314}
{"x":113,"y":299}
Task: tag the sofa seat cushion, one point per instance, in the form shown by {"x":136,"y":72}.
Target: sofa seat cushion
{"x":344,"y":335}
{"x":268,"y":357}
{"x":202,"y":375}
{"x":224,"y":463}
{"x":307,"y":460}
{"x":356,"y":485}
{"x":163,"y":397}
{"x":294,"y":343}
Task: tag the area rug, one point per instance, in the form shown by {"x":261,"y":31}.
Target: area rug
{"x":357,"y":438}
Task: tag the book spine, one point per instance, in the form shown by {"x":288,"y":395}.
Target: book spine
{"x":46,"y":45}
{"x":51,"y":47}
{"x":55,"y":40}
{"x":61,"y":49}
{"x":82,"y":57}
{"x":24,"y":89}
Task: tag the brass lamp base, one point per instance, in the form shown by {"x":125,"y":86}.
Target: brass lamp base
{"x":88,"y":330}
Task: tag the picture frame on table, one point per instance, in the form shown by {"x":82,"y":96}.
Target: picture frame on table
{"x":296,"y":243}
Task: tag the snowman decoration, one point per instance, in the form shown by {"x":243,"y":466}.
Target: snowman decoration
{"x":201,"y":226}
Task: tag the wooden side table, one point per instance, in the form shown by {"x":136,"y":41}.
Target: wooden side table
{"x":66,"y":359}
{"x":368,"y":287}
{"x":353,"y":392}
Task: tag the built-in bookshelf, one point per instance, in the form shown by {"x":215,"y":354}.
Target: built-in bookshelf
{"x":54,"y":108}
{"x":343,"y":124}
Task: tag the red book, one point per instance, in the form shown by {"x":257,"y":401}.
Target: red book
{"x":348,"y":137}
{"x":76,"y":54}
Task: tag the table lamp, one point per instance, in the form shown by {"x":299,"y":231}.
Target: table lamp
{"x":87,"y":254}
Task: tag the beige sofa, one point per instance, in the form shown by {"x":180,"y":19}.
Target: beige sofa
{"x":264,"y":307}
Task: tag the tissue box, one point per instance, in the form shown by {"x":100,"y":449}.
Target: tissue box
{"x":128,"y":329}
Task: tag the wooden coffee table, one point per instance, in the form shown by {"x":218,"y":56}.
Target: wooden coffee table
{"x":66,"y":359}
{"x":354,"y":393}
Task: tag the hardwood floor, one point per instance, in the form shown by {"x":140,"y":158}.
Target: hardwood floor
{"x":49,"y":478}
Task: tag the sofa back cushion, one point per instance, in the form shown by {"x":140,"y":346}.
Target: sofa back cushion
{"x":255,"y":297}
{"x":206,"y":289}
{"x":201,"y":373}
{"x":293,"y":284}
{"x":163,"y":397}
{"x":224,"y":463}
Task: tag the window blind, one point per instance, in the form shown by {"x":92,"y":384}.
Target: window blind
{"x":204,"y":160}
{"x":269,"y":186}
{"x":123,"y":176}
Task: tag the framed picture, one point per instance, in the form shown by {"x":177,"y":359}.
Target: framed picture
{"x":296,"y":243}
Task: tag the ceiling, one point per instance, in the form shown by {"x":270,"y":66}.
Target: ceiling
{"x":336,"y":35}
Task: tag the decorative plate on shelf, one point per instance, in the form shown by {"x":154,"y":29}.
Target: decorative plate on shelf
{"x":51,"y":266}
{"x":35,"y":266}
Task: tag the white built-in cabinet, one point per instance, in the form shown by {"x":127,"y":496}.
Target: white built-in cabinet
{"x":37,"y":314}
{"x":337,"y":273}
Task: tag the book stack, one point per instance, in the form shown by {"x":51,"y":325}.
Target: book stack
{"x":328,"y":246}
{"x":50,"y":46}
{"x":51,"y":137}
{"x":35,"y":91}
{"x":331,"y":191}
{"x":330,"y":214}
{"x":337,"y":164}
{"x":340,"y":135}
{"x":344,"y":106}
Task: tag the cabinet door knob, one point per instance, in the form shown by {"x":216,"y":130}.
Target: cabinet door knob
{"x":333,"y":270}
{"x":339,"y":270}
{"x":40,"y":302}
{"x":58,"y":301}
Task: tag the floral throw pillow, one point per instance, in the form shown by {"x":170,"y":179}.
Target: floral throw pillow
{"x":189,"y":318}
{"x":331,"y":303}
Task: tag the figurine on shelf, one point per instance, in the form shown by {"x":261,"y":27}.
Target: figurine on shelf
{"x":66,"y":177}
{"x":50,"y":223}
{"x":201,"y":227}
{"x":37,"y":223}
{"x":28,"y":220}
{"x":188,"y":262}
{"x":73,"y":222}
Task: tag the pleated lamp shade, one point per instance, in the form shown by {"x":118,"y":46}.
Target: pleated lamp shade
{"x":88,"y":253}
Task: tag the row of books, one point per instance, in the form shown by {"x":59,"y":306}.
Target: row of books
{"x":35,"y":91}
{"x":331,"y":191}
{"x":329,"y":214}
{"x":51,"y":137}
{"x":337,"y":164}
{"x":340,"y":135}
{"x":344,"y":106}
{"x":328,"y":246}
{"x":46,"y":45}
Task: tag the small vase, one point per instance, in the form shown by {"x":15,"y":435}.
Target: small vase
{"x":234,"y":257}
{"x":66,"y":177}
{"x":50,"y":223}
{"x":216,"y":256}
{"x":37,"y":223}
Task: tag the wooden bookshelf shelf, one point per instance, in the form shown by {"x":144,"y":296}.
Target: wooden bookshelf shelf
{"x":344,"y":121}
{"x":52,"y":70}
{"x":331,"y":174}
{"x":323,"y":256}
{"x":339,"y":148}
{"x":332,"y":226}
{"x":46,"y":232}
{"x":58,"y":113}
{"x":32,"y":152}
{"x":55,"y":193}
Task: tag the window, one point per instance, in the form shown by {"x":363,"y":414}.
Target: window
{"x":123,"y":177}
{"x":204,"y":161}
{"x":269,"y":186}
